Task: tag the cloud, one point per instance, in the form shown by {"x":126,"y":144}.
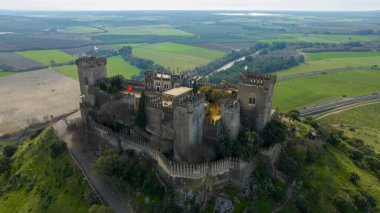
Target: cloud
{"x":191,"y":4}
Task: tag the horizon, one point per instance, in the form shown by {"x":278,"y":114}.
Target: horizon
{"x":192,"y":5}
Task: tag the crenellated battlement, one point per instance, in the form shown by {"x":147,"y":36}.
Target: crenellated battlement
{"x":192,"y":101}
{"x":257,"y":78}
{"x":90,"y":61}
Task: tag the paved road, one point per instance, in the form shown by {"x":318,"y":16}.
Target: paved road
{"x":85,"y":159}
{"x":336,"y":105}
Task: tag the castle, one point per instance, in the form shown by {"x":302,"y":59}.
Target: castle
{"x":176,"y":112}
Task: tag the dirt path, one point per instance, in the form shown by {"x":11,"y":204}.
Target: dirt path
{"x":110,"y":196}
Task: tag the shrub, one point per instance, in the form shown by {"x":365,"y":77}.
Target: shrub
{"x":353,"y":177}
{"x":9,"y":150}
{"x":333,"y":140}
{"x":360,"y":202}
{"x":274,"y":132}
{"x":289,"y":166}
{"x":301,"y":204}
{"x":356,"y":155}
{"x":343,"y":203}
{"x":57,"y":148}
{"x":5,"y":165}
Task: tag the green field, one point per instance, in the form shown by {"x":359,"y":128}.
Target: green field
{"x":183,"y":57}
{"x":329,"y":64}
{"x":116,"y":65}
{"x":158,"y":30}
{"x":298,"y":92}
{"x":80,"y":29}
{"x":292,"y":38}
{"x":333,"y":55}
{"x":41,"y":181}
{"x":68,"y":70}
{"x":47,"y":56}
{"x":3,"y":73}
{"x":365,"y":116}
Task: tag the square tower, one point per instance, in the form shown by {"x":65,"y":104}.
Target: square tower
{"x":255,"y":92}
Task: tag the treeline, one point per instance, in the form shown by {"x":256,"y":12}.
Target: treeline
{"x":143,"y":64}
{"x":16,"y":69}
{"x":338,"y":47}
{"x":268,"y":58}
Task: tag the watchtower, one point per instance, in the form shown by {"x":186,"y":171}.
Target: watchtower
{"x":90,"y":70}
{"x":255,"y":92}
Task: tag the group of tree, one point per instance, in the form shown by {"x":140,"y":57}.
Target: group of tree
{"x":5,"y":159}
{"x":143,"y":64}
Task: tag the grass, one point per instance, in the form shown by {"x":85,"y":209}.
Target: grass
{"x":330,"y":171}
{"x":157,"y":30}
{"x":116,"y":65}
{"x":183,"y":57}
{"x":47,"y":56}
{"x":4,"y":73}
{"x":329,"y":64}
{"x":364,"y":116}
{"x":292,"y":38}
{"x":40,"y":183}
{"x":68,"y":70}
{"x":80,"y":29}
{"x":332,"y":55}
{"x":296,"y":93}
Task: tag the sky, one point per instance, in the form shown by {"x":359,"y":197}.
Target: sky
{"x":300,"y":5}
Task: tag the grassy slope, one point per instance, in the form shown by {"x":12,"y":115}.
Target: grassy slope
{"x":331,"y":55}
{"x":328,"y":64}
{"x":37,"y":178}
{"x":331,"y":172}
{"x":296,"y":93}
{"x":116,"y":65}
{"x":176,"y":56}
{"x":46,"y":56}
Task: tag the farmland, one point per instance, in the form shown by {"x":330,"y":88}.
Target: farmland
{"x":183,"y":57}
{"x":363,"y":116}
{"x":158,"y":30}
{"x":46,"y":57}
{"x":329,"y":64}
{"x":3,"y":73}
{"x":334,"y":55}
{"x":33,"y":95}
{"x":17,"y":61}
{"x":116,"y":65}
{"x":292,"y":38}
{"x":80,"y":29}
{"x":299,"y":92}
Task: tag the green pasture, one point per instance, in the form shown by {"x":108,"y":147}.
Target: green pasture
{"x":158,"y":30}
{"x":4,"y":73}
{"x":183,"y":57}
{"x":363,"y":116}
{"x":47,"y":56}
{"x":370,"y":137}
{"x":329,"y":64}
{"x":116,"y":65}
{"x":299,"y":92}
{"x":334,"y":55}
{"x":323,"y":38}
{"x":68,"y":70}
{"x":80,"y":29}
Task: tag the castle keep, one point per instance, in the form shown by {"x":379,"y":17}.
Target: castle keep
{"x":178,"y":124}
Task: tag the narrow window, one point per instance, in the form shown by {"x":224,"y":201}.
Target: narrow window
{"x":252,"y":100}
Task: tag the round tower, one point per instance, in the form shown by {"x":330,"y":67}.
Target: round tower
{"x":90,"y":70}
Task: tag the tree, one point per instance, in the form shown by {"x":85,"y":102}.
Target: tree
{"x":9,"y":150}
{"x":125,"y":51}
{"x":249,"y":145}
{"x":353,"y":177}
{"x":140,"y":116}
{"x":5,"y":165}
{"x":274,"y":132}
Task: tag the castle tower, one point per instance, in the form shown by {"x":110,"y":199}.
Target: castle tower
{"x":255,"y":94}
{"x":230,"y":111}
{"x":90,"y":70}
{"x":188,"y":121}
